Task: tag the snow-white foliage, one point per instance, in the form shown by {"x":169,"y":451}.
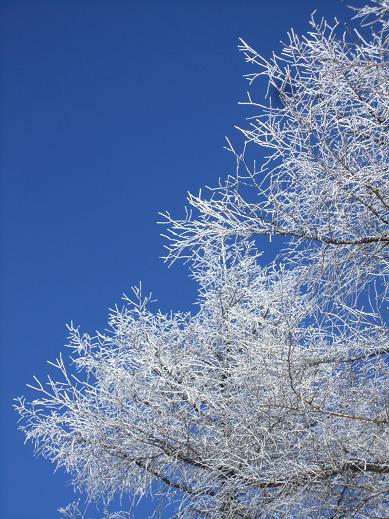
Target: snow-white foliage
{"x":271,"y":400}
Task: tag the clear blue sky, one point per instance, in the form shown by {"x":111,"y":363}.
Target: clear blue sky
{"x":110,"y":112}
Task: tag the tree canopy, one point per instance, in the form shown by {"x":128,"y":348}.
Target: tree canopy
{"x":270,"y":400}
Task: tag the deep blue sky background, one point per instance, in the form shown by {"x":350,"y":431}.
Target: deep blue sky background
{"x":110,"y":112}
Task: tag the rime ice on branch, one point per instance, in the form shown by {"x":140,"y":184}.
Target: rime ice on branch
{"x":270,"y":401}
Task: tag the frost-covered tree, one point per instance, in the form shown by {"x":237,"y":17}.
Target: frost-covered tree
{"x":270,"y":400}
